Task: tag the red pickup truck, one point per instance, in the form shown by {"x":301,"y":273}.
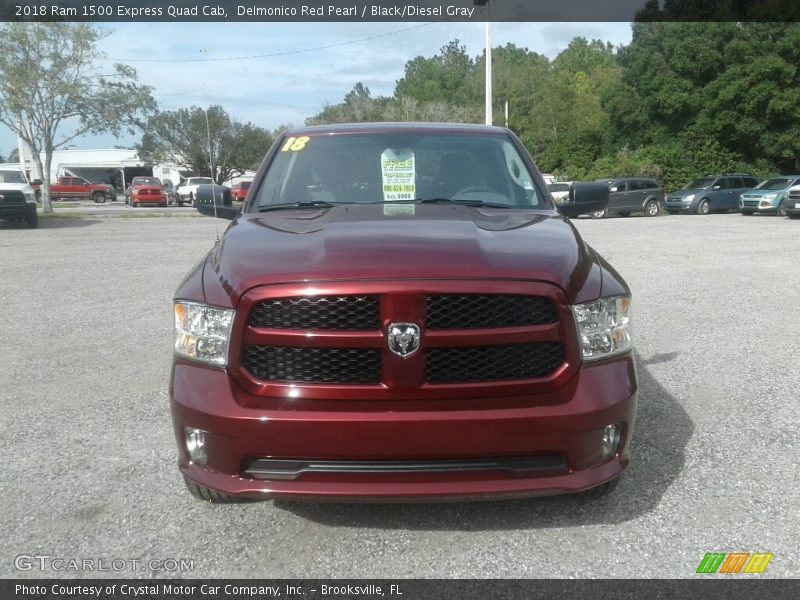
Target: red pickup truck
{"x":80,"y":188}
{"x":400,"y":311}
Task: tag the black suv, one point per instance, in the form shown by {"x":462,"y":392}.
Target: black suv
{"x":632,"y":194}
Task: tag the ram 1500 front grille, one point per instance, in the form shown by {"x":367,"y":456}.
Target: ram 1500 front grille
{"x":463,"y":338}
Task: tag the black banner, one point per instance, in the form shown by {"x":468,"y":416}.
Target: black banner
{"x":400,"y":10}
{"x":732,"y":588}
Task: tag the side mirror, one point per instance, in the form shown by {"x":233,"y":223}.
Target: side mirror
{"x":215,"y":201}
{"x":584,"y":198}
{"x":36,"y":182}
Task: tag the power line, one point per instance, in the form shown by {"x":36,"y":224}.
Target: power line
{"x":273,"y":54}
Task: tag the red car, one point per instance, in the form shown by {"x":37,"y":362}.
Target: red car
{"x":239,"y":190}
{"x":147,"y":190}
{"x":400,"y":311}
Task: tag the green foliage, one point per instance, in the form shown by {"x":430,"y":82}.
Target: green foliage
{"x":52,"y":89}
{"x":682,"y":100}
{"x":205,"y":142}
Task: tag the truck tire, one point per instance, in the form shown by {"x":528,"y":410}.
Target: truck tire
{"x":32,"y":220}
{"x":99,"y":198}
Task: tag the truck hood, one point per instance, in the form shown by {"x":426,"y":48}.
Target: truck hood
{"x":405,"y":241}
{"x":21,"y":187}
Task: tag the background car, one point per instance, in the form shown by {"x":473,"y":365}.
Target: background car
{"x":768,"y":196}
{"x":632,"y":194}
{"x":705,"y":195}
{"x":187,"y":191}
{"x":239,"y":190}
{"x":147,"y":190}
{"x":559,"y":190}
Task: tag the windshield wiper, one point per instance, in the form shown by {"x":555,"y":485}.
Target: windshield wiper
{"x":479,"y":203}
{"x":301,"y":205}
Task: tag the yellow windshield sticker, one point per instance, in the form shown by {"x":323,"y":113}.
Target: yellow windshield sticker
{"x":399,"y":174}
{"x":295,"y":144}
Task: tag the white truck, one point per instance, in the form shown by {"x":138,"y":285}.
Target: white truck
{"x":187,"y":191}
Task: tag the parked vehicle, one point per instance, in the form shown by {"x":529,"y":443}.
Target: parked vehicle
{"x":187,"y":191}
{"x":17,"y":198}
{"x":171,"y":191}
{"x":239,"y":190}
{"x":147,"y":190}
{"x":559,"y":190}
{"x":717,"y":193}
{"x":399,"y":310}
{"x":768,"y":196}
{"x":792,"y":203}
{"x":78,"y":188}
{"x":632,"y":194}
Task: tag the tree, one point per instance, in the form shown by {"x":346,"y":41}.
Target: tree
{"x":52,"y":90}
{"x":207,"y":143}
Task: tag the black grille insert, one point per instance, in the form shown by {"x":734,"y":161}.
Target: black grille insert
{"x":490,"y":310}
{"x":353,"y":313}
{"x":493,"y":363}
{"x":314,"y":365}
{"x":270,"y":468}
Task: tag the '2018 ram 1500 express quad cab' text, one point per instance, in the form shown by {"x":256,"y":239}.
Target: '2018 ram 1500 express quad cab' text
{"x":399,"y":312}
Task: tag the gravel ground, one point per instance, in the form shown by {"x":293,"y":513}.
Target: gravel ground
{"x":88,"y":467}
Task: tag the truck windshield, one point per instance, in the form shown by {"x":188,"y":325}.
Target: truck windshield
{"x":10,"y":176}
{"x":379,"y":167}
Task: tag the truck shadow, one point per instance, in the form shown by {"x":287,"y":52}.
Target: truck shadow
{"x":663,"y":430}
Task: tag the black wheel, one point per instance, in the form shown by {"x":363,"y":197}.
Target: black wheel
{"x":32,"y":220}
{"x":179,"y":202}
{"x":793,"y":215}
{"x":201,"y":492}
{"x":99,"y":198}
{"x":38,"y":196}
{"x":651,"y":209}
{"x":191,"y":199}
{"x":673,"y":212}
{"x":704,"y":208}
{"x":781,"y":212}
{"x":599,"y":214}
{"x":599,"y":491}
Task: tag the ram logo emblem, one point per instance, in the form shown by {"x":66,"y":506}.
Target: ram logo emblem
{"x":403,"y":338}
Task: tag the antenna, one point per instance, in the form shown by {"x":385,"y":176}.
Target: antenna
{"x":211,"y":166}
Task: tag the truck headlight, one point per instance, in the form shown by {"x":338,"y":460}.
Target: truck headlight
{"x":603,"y":327}
{"x":203,"y":332}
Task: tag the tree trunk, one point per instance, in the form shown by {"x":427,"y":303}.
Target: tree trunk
{"x":47,"y":204}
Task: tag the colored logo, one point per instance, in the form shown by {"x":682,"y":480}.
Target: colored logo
{"x":734,"y":562}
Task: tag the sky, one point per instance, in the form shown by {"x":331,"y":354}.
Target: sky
{"x":310,"y":64}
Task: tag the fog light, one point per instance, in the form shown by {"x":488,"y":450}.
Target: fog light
{"x":611,"y":437}
{"x":196,"y":444}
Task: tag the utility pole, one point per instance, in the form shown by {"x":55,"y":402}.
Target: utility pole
{"x":488,"y":57}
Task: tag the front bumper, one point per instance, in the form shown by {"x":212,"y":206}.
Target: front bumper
{"x":758,"y":205}
{"x":568,"y":422}
{"x":17,"y":211}
{"x":681,"y":206}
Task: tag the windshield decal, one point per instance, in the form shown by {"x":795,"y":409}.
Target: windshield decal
{"x":295,"y":144}
{"x":398,"y":171}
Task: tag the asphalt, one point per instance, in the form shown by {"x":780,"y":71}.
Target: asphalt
{"x":88,"y":455}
